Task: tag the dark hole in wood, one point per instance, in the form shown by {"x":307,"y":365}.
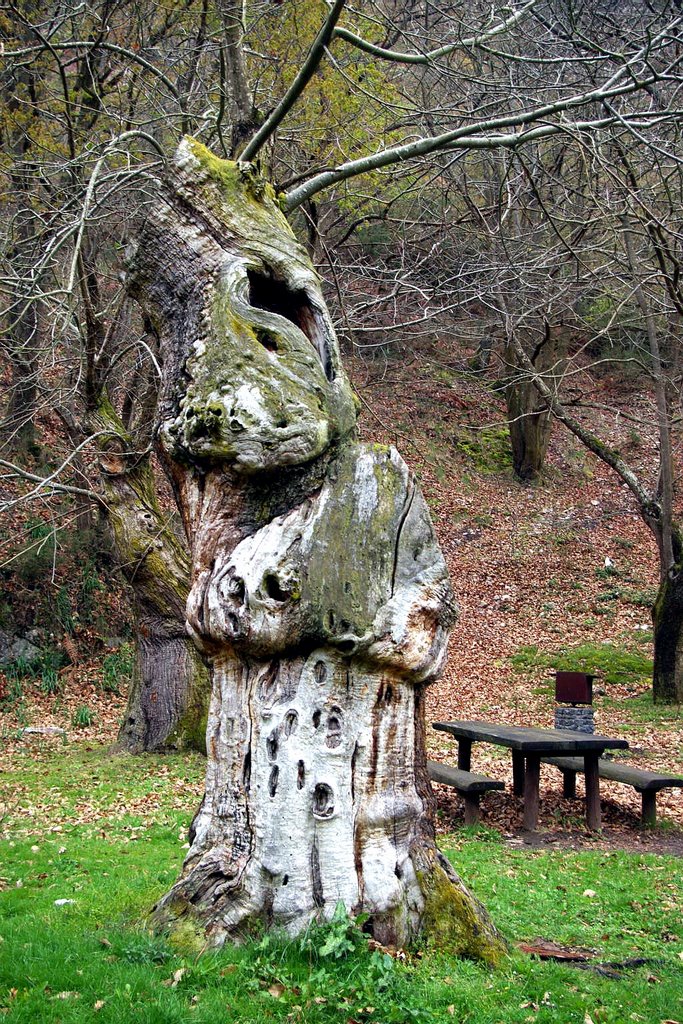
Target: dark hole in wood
{"x":236,"y":588}
{"x":388,"y":693}
{"x":317,"y":715}
{"x":271,"y":585}
{"x":266,"y":338}
{"x":272,"y":745}
{"x":291,"y":722}
{"x":347,"y":587}
{"x":331,"y":619}
{"x":285,"y":879}
{"x":300,"y":775}
{"x":368,"y":927}
{"x":266,"y":291}
{"x":334,"y":731}
{"x":233,"y":624}
{"x":320,"y":671}
{"x":272,"y":781}
{"x":347,"y":646}
{"x":268,"y":681}
{"x":323,"y":801}
{"x":246,"y":771}
{"x":354,"y":758}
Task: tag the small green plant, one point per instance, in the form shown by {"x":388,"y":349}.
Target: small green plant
{"x":83,"y":717}
{"x":607,"y":572}
{"x":91,"y":586}
{"x":640,"y":598}
{"x":338,"y":937}
{"x":613,"y":594}
{"x":117,"y":668}
{"x":49,"y":682}
{"x":48,"y":666}
{"x":63,"y":611}
{"x":142,"y":948}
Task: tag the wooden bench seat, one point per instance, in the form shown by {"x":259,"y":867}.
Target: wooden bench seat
{"x":469,"y":785}
{"x":648,"y":784}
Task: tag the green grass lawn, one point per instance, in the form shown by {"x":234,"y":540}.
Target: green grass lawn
{"x":119,"y":844}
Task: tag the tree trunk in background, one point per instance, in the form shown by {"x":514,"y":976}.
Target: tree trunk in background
{"x":18,"y":429}
{"x":318,"y":592}
{"x":169,"y":693}
{"x":667,"y":621}
{"x":529,"y":419}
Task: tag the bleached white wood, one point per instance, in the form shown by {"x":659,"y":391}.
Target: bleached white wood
{"x":319,"y":595}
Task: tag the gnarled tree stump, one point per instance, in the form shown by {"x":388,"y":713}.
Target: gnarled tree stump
{"x":318,"y":594}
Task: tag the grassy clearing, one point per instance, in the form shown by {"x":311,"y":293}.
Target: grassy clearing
{"x":612,"y":663}
{"x":109,"y":836}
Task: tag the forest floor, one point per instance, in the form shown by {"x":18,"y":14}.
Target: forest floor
{"x":528,"y":568}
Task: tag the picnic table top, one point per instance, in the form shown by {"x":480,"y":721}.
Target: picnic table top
{"x":529,"y":740}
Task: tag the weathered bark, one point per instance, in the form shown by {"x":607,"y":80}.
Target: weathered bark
{"x":169,"y":693}
{"x":319,"y":594}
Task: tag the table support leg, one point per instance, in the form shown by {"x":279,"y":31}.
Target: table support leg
{"x":532,"y":776}
{"x":472,"y":813}
{"x":518,"y":773}
{"x":592,"y":777}
{"x":464,"y":755}
{"x":569,"y":785}
{"x":649,"y":816}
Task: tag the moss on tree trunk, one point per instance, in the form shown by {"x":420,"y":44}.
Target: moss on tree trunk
{"x":169,"y":693}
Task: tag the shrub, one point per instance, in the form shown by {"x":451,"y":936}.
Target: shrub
{"x":82,"y":717}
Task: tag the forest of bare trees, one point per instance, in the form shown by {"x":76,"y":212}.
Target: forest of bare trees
{"x":510,"y":171}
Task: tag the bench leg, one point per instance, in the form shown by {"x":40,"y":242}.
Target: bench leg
{"x":649,"y":816}
{"x":518,"y":773}
{"x":464,"y":755}
{"x":593,"y":818}
{"x":532,"y":776}
{"x":569,"y":785}
{"x":472,"y":813}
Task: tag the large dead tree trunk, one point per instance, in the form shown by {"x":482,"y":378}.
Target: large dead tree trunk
{"x":169,"y":694}
{"x":318,"y":593}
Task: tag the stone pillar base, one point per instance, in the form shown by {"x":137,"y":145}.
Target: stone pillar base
{"x":579,"y":719}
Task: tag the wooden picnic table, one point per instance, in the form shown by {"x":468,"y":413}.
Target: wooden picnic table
{"x":528,"y":747}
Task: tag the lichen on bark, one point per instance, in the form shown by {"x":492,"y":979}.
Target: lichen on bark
{"x":318,"y":595}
